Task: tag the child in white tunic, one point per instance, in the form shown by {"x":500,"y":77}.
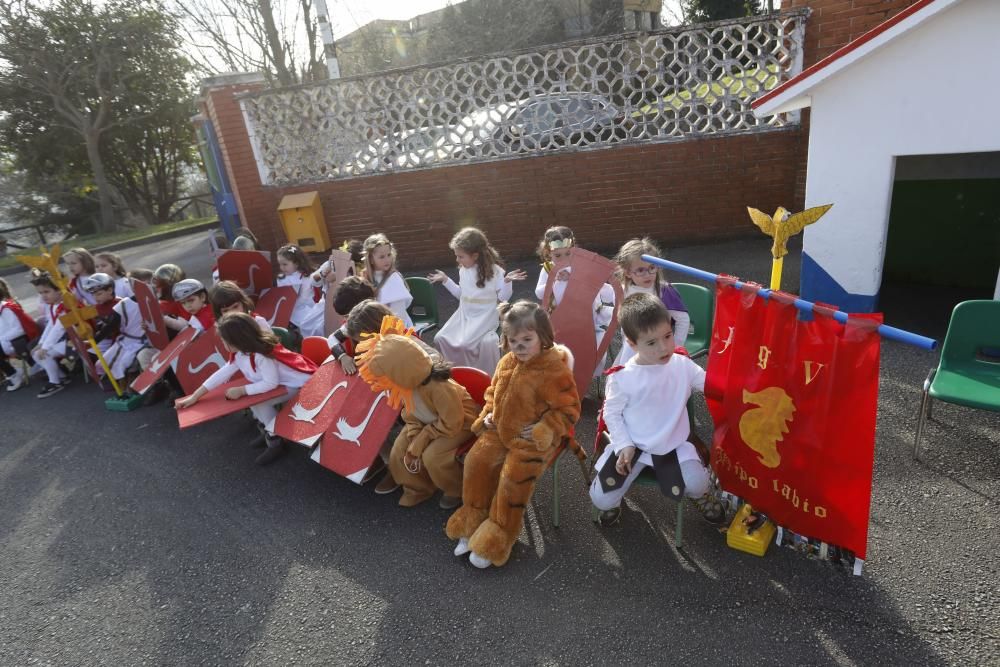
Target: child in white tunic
{"x":557,"y":244}
{"x":381,"y":272}
{"x":111,"y":264}
{"x":646,"y":413}
{"x":266,"y":365}
{"x":469,"y":337}
{"x":639,"y":276}
{"x":296,"y":270}
{"x":52,"y":343}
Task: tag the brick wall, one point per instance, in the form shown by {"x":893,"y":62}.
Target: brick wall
{"x":834,"y":23}
{"x":680,"y":193}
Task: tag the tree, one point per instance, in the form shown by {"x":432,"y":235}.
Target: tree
{"x":251,"y":36}
{"x":700,"y":11}
{"x":478,"y":27}
{"x":95,"y":100}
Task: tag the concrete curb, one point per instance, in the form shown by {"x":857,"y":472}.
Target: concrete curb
{"x":193,"y":229}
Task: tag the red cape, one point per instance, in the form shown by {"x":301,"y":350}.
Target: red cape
{"x":28,"y":324}
{"x":283,"y":355}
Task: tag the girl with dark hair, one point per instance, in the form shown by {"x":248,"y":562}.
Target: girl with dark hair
{"x":266,"y":365}
{"x":226,"y":297}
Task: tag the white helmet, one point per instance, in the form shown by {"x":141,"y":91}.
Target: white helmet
{"x":96,"y":281}
{"x":186,"y":288}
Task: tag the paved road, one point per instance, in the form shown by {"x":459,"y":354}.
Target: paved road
{"x":191,"y":252}
{"x":125,"y":541}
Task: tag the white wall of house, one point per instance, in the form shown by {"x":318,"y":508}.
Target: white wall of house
{"x":932,"y":90}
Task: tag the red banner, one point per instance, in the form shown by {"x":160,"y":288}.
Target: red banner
{"x":794,"y":406}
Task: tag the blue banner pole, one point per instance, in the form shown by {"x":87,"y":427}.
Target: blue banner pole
{"x":891,"y":333}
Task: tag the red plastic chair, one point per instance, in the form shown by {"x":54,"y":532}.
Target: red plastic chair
{"x":475,"y":382}
{"x":316,"y":348}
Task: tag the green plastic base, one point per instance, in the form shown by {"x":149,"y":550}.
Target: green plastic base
{"x":123,"y":403}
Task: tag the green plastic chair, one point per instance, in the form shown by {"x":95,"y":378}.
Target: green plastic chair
{"x":423,"y":309}
{"x":966,"y":375}
{"x":287,"y":338}
{"x":700,"y":302}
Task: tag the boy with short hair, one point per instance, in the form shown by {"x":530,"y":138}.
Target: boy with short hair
{"x":51,"y":344}
{"x":646,"y":416}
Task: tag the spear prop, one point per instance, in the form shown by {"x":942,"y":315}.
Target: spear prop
{"x":77,"y":316}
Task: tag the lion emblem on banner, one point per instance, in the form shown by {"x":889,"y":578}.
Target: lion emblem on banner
{"x":764,"y":426}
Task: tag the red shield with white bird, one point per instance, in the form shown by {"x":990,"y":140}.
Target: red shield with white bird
{"x":152,"y":316}
{"x":362,"y":425}
{"x":317,"y":405}
{"x":200,"y":359}
{"x":249,"y":269}
{"x":163,"y":360}
{"x":276,"y":305}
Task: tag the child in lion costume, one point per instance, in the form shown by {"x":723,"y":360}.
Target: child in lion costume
{"x":437,"y":412}
{"x":531,"y":404}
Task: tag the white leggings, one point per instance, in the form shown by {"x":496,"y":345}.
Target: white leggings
{"x":682,"y":325}
{"x":266,"y":412}
{"x":51,"y":362}
{"x":696,"y":481}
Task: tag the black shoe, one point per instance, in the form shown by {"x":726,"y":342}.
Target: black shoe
{"x":260,"y":442}
{"x":275,"y":450}
{"x":155,"y":394}
{"x":611,"y":516}
{"x":50,"y":389}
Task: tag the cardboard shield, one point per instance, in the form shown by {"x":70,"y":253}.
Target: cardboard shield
{"x":350,"y":446}
{"x":319,"y":402}
{"x":152,"y":316}
{"x":573,"y":319}
{"x":249,"y":269}
{"x":200,"y":359}
{"x":214,"y":404}
{"x":342,"y":267}
{"x":163,"y":360}
{"x":276,"y":305}
{"x":83,"y":351}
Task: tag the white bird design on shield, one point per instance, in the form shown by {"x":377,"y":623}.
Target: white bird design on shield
{"x":349,"y":433}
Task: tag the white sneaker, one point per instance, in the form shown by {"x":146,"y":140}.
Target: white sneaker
{"x":16,"y":381}
{"x":463,"y":547}
{"x":479,"y":561}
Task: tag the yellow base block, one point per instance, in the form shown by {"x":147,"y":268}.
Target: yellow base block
{"x":757,"y":543}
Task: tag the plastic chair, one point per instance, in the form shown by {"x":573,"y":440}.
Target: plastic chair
{"x":700,"y":302}
{"x":287,"y":338}
{"x":475,"y":382}
{"x":423,"y":309}
{"x":316,"y":348}
{"x":966,"y":374}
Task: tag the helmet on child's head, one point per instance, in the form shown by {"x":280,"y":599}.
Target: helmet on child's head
{"x":243,"y":243}
{"x":186,"y":288}
{"x":96,"y":281}
{"x":169,"y":273}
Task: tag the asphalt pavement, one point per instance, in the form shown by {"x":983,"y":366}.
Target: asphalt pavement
{"x":124,"y":541}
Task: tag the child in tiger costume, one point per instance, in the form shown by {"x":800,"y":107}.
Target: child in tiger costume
{"x":531,"y":404}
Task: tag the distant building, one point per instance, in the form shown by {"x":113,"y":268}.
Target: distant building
{"x":386,"y":44}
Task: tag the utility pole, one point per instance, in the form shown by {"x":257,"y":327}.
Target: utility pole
{"x":329,"y":45}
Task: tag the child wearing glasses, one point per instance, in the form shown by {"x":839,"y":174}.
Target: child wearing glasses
{"x":639,"y":276}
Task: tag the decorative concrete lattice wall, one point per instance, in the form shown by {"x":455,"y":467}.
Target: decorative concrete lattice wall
{"x":652,"y":87}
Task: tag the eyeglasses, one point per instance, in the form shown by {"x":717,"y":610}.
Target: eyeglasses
{"x":644,"y":271}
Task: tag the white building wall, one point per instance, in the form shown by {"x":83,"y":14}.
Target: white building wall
{"x":933,"y":90}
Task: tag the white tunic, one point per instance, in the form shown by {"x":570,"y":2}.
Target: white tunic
{"x":10,"y":329}
{"x":646,"y":406}
{"x":268,"y":375}
{"x":469,"y":338}
{"x":131,"y":338}
{"x":123,"y":287}
{"x":682,"y":324}
{"x":307,"y":314}
{"x":395,"y":295}
{"x":53,"y":339}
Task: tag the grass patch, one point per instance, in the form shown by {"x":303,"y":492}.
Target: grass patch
{"x":96,"y":241}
